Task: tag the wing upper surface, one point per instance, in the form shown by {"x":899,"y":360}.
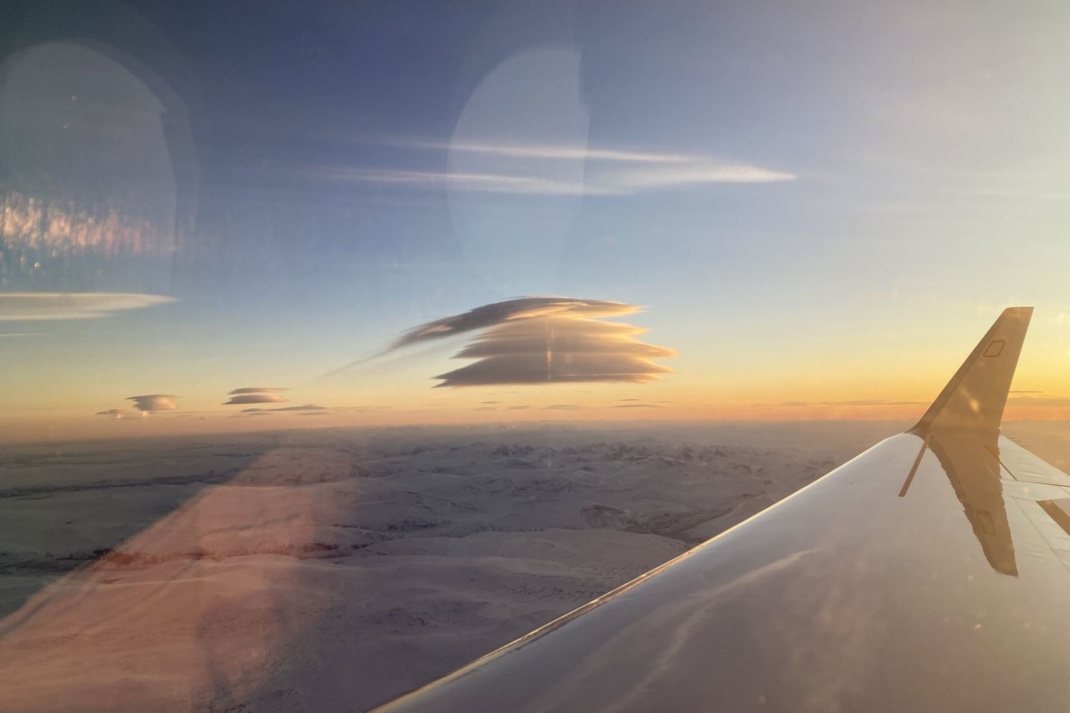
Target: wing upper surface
{"x":926,"y":574}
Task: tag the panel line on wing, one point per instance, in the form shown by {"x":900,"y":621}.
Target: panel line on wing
{"x":1004,"y":466}
{"x":914,"y":469}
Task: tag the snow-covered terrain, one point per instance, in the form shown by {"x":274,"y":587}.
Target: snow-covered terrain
{"x":330,"y":570}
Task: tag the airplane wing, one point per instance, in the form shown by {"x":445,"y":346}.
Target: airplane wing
{"x":930,"y":573}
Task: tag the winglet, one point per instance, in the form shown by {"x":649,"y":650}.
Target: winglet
{"x":976,"y":395}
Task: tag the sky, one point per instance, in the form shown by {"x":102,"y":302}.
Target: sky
{"x":743,"y":210}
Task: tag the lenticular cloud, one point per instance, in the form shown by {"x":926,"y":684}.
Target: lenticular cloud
{"x":154,"y":402}
{"x":544,"y":340}
{"x":516,"y":309}
{"x":255,"y":395}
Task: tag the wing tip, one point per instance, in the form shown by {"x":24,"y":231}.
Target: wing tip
{"x":975,"y":397}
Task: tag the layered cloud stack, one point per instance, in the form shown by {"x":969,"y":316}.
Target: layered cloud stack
{"x":538,"y":340}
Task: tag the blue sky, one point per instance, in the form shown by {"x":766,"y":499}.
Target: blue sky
{"x":785,"y":186}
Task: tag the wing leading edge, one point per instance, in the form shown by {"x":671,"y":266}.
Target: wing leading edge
{"x":866,"y":590}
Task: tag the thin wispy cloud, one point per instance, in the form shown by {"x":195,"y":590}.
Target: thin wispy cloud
{"x":43,"y":306}
{"x":543,"y":151}
{"x":154,"y":402}
{"x":481,"y":182}
{"x":302,"y":408}
{"x":114,"y":413}
{"x":690,"y":174}
{"x":1037,"y":398}
{"x":536,"y":169}
{"x":854,"y":403}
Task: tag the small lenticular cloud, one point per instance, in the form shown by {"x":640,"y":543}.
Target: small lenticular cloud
{"x":116,"y":413}
{"x":254,"y":399}
{"x":154,"y":402}
{"x":255,"y":395}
